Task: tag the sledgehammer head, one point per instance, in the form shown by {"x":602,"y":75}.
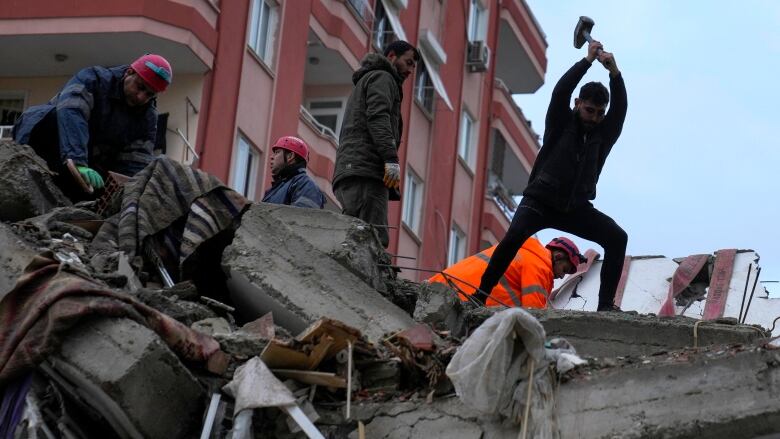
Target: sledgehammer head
{"x":582,"y":31}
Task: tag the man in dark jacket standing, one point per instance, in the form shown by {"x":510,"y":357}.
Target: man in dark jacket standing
{"x":104,"y":119}
{"x":367,"y":166}
{"x":291,"y":185}
{"x":564,"y":175}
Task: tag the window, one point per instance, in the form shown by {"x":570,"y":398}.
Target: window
{"x":383,"y":31}
{"x":361,"y":7}
{"x":261,"y":28}
{"x":457,"y":250}
{"x":477,"y":21}
{"x":413,"y":192}
{"x":328,"y":112}
{"x":423,"y":87}
{"x":245,"y":168}
{"x":466,"y":139}
{"x":11,"y":107}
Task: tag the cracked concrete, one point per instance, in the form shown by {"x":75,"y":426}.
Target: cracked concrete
{"x":626,"y":334}
{"x":27,"y":185}
{"x":15,"y":255}
{"x":271,"y":268}
{"x":691,"y":394}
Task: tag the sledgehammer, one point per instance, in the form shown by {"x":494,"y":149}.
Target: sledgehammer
{"x":582,"y":32}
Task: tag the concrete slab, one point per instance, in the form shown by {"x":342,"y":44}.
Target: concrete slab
{"x":627,"y":334}
{"x":271,"y":268}
{"x":15,"y":255}
{"x":718,"y":394}
{"x":725,"y":394}
{"x":26,"y":185}
{"x":127,"y":373}
{"x":348,"y":240}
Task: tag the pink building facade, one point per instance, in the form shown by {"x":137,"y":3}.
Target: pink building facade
{"x":249,"y":71}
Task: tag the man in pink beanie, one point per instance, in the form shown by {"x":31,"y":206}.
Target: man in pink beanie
{"x":104,"y":119}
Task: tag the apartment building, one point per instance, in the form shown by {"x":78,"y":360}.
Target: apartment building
{"x":249,"y":71}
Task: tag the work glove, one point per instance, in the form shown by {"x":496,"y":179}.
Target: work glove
{"x":392,"y":177}
{"x":91,"y":176}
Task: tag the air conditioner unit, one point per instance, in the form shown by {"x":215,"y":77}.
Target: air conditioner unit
{"x":478,"y":56}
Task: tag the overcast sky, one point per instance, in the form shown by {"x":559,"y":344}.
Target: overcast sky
{"x":696,"y":168}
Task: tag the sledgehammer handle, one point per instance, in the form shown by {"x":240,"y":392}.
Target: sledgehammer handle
{"x":588,"y":38}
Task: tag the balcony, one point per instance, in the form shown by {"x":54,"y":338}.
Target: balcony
{"x":343,"y":25}
{"x":520,"y":58}
{"x":52,"y":38}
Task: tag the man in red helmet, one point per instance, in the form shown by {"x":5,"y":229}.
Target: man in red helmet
{"x":291,"y":185}
{"x":528,"y":280}
{"x":104,"y":119}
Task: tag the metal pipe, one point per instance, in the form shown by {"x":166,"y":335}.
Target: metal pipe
{"x":744,"y":293}
{"x":758,"y":273}
{"x":402,"y":257}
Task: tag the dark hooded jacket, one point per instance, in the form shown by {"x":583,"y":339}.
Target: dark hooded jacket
{"x":372,"y":126}
{"x":568,"y":166}
{"x":94,"y":125}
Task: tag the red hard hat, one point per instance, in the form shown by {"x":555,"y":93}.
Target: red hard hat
{"x":569,"y":248}
{"x":155,"y":70}
{"x":294,"y":144}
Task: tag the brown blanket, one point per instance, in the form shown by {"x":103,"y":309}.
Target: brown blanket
{"x":51,"y":298}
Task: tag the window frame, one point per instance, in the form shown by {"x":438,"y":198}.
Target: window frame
{"x":424,"y":95}
{"x":12,"y":95}
{"x":255,"y":28}
{"x":411,"y":214}
{"x":476,"y":25}
{"x":248,"y":169}
{"x":466,"y":141}
{"x":456,"y":248}
{"x":339,"y":113}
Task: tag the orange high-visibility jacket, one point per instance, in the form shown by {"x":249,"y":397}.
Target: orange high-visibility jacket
{"x":527,"y":282}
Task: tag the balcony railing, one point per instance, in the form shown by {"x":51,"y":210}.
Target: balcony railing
{"x":320,"y":128}
{"x":500,"y":194}
{"x":363,"y":12}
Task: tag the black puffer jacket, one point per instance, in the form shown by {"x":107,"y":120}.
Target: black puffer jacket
{"x":567,"y":169}
{"x":372,"y":127}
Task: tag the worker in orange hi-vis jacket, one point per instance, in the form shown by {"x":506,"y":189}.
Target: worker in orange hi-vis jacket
{"x":527,"y":282}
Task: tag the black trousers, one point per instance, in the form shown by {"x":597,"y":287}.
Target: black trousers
{"x":365,"y":198}
{"x":586,"y":222}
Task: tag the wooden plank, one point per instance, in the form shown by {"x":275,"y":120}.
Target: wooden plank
{"x":276,"y":355}
{"x":326,"y":379}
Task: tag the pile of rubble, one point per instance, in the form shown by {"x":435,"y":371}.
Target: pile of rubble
{"x":285,"y":322}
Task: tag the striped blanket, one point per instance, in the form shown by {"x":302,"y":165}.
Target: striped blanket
{"x":179,"y":206}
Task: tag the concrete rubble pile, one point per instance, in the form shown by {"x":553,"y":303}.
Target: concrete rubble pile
{"x":305,"y":331}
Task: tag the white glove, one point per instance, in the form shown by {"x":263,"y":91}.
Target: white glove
{"x":392,"y":177}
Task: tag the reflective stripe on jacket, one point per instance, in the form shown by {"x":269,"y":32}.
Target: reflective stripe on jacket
{"x":527,"y":282}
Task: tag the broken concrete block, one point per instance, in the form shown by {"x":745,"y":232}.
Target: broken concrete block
{"x":626,"y":334}
{"x":348,"y":240}
{"x":380,"y":375}
{"x":212,"y":326}
{"x":15,"y":255}
{"x":241,"y":344}
{"x":418,"y":420}
{"x":126,"y":372}
{"x":438,"y":305}
{"x":271,"y":269}
{"x":182,"y":310}
{"x":26,"y":185}
{"x":675,"y":397}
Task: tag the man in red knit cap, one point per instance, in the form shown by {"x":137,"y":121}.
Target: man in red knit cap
{"x":104,"y":119}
